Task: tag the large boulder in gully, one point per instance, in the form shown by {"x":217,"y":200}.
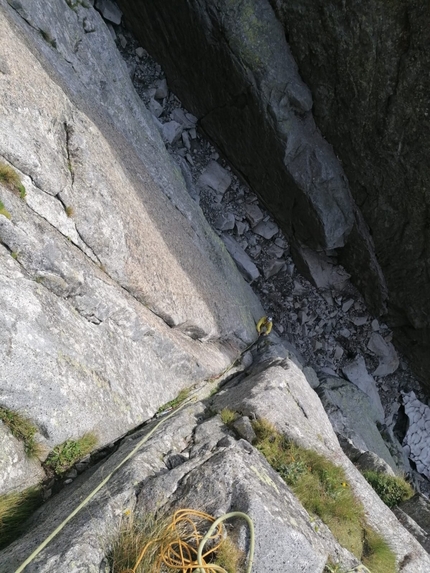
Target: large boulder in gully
{"x":115,"y":292}
{"x":366,"y":67}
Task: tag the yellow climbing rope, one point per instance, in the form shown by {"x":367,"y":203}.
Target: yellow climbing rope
{"x":182,"y":544}
{"x":264,"y":326}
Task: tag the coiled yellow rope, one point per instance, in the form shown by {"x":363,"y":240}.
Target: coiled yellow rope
{"x":182,"y":544}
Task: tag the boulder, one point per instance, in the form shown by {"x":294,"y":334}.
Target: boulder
{"x":206,"y":468}
{"x":354,"y":417}
{"x":276,"y":389}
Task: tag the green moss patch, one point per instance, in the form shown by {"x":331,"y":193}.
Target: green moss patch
{"x":181,"y":397}
{"x":65,"y":455}
{"x":10,"y":178}
{"x":391,"y":489}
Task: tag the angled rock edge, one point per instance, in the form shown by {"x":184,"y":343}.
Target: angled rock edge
{"x":237,"y":74}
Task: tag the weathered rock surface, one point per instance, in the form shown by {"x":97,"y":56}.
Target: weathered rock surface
{"x":115,"y":273}
{"x":354,"y":416}
{"x":416,"y":443}
{"x":277,"y":390}
{"x":216,"y":473}
{"x":418,"y":508}
{"x":412,"y":526}
{"x":17,"y":472}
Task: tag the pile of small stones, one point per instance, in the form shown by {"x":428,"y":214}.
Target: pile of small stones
{"x":327,"y":321}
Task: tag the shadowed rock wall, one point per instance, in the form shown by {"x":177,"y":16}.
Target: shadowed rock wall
{"x":366,"y":65}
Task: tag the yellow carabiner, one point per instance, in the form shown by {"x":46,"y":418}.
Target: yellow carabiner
{"x":264,"y":325}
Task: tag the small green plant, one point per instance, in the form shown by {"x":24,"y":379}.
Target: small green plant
{"x":4,"y":211}
{"x":181,"y":397}
{"x":229,"y":556}
{"x":69,"y":452}
{"x":10,"y":178}
{"x":377,"y":555}
{"x":323,"y":490}
{"x":14,"y":255}
{"x":69,"y":211}
{"x":331,"y":567}
{"x":15,"y":508}
{"x":227,"y":416}
{"x":23,"y":430}
{"x":391,"y":489}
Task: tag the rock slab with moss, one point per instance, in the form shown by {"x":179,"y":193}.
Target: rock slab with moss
{"x":194,"y":460}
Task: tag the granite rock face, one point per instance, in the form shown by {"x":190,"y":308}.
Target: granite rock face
{"x":17,"y":472}
{"x":114,"y":272}
{"x":367,"y":67}
{"x":354,"y":416}
{"x":194,"y":460}
{"x":230,"y":64}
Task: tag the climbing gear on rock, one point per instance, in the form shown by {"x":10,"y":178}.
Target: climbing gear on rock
{"x":264,"y":325}
{"x":184,"y":544}
{"x":96,"y":489}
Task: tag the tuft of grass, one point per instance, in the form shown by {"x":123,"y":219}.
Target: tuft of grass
{"x":23,"y":429}
{"x":4,"y":211}
{"x":331,"y":567}
{"x":170,"y":542}
{"x":230,"y":557}
{"x":377,"y":555}
{"x":65,"y":455}
{"x":391,"y":489}
{"x":227,"y":416}
{"x":134,"y":535}
{"x":15,"y":509}
{"x":10,"y":178}
{"x":323,"y":490}
{"x":181,"y":397}
{"x":69,"y":211}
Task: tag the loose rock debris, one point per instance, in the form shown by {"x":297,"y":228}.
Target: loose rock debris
{"x":324,"y":317}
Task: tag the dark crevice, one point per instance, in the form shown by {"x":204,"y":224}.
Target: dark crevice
{"x":69,"y":131}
